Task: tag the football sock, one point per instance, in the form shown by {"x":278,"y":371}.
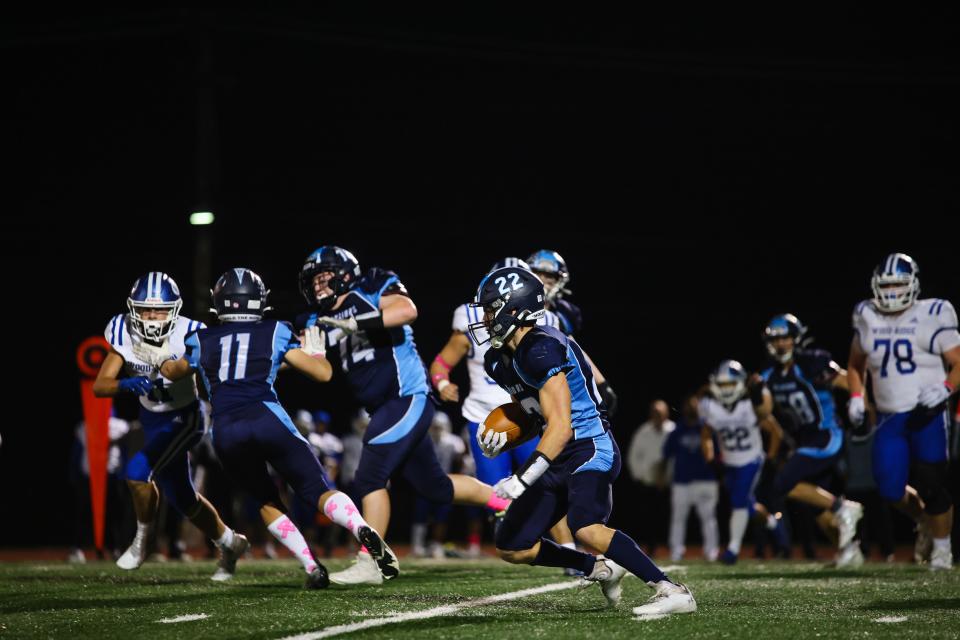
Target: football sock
{"x":289,"y":536}
{"x":625,"y":552}
{"x":553,"y":555}
{"x":738,"y":526}
{"x":341,"y":509}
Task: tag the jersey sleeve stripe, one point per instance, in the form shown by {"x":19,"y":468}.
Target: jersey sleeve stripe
{"x":120,"y":331}
{"x":934,"y":336}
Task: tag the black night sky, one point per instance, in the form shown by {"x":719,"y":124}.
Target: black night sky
{"x":698,"y":173}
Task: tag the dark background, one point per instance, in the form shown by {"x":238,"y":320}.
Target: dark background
{"x":699,"y":173}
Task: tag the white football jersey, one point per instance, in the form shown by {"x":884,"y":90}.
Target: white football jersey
{"x":485,"y":394}
{"x":736,"y":428}
{"x":166,"y":395}
{"x":905,"y":350}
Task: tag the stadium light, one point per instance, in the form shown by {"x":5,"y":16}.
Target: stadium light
{"x":201,"y":218}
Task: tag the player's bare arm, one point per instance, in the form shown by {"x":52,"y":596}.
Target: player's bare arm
{"x":316,"y":367}
{"x":176,"y":369}
{"x":706,"y":443}
{"x":449,"y":357}
{"x":770,"y":425}
{"x":106,"y":384}
{"x":555,"y":405}
{"x":397,"y":310}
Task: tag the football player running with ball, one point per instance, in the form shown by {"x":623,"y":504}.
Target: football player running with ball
{"x":576,"y":461}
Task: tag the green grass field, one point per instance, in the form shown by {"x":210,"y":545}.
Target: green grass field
{"x":266,"y":600}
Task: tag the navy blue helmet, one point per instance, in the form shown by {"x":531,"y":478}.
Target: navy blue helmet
{"x":783,"y":325}
{"x":510,"y":298}
{"x":239,"y":296}
{"x":340,"y":262}
{"x":154,"y":291}
{"x":728,"y":382}
{"x":895,"y":283}
{"x":552,"y":264}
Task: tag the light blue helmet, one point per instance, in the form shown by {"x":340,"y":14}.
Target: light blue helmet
{"x":783,"y":325}
{"x":551,"y":263}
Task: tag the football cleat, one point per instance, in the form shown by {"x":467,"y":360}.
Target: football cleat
{"x":136,"y":553}
{"x":610,"y":576}
{"x":728,"y":557}
{"x":850,"y":556}
{"x":227,"y":565}
{"x":363,"y":571}
{"x":318,"y":578}
{"x":383,"y":555}
{"x":923,"y":545}
{"x":846,"y":519}
{"x":669,"y":598}
{"x":941,"y":560}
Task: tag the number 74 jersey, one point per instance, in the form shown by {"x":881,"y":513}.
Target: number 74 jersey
{"x":905,"y":350}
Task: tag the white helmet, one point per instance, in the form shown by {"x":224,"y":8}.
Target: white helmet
{"x":895,"y":283}
{"x":728,"y":382}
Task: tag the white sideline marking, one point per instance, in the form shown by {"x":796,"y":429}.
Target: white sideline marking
{"x":187,"y":618}
{"x":892,"y":619}
{"x":445,"y":610}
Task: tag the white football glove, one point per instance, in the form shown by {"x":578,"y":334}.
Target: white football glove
{"x":855,"y":410}
{"x":347,"y":325}
{"x":314,"y":342}
{"x":152,"y":355}
{"x":510,"y":488}
{"x":491,"y":442}
{"x":933,"y":395}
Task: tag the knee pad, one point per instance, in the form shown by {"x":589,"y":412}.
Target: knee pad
{"x":931,"y":484}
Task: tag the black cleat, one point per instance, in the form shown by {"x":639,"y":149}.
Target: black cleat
{"x":318,"y":578}
{"x":383,"y":555}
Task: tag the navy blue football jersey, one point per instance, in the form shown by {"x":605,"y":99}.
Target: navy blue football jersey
{"x":238,"y":361}
{"x":543,"y":353}
{"x":380,"y":364}
{"x":571,"y":320}
{"x":804,"y":401}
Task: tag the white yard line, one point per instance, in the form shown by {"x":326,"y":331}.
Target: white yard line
{"x":435,"y":612}
{"x":190,"y":617}
{"x":892,"y":619}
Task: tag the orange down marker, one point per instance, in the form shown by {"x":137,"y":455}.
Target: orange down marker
{"x":96,"y":415}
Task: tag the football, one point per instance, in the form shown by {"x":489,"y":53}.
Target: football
{"x":510,"y":418}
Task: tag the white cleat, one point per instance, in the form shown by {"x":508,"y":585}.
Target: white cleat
{"x":227,"y":565}
{"x":850,"y":556}
{"x":610,"y":576}
{"x":846,"y":519}
{"x":363,"y":571}
{"x":669,"y":598}
{"x":941,"y":560}
{"x":136,"y":553}
{"x":923,"y":545}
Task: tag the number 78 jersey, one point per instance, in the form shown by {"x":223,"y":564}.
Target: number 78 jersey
{"x":905,"y":350}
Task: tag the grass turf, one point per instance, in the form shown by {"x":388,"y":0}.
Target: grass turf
{"x":266,"y":600}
